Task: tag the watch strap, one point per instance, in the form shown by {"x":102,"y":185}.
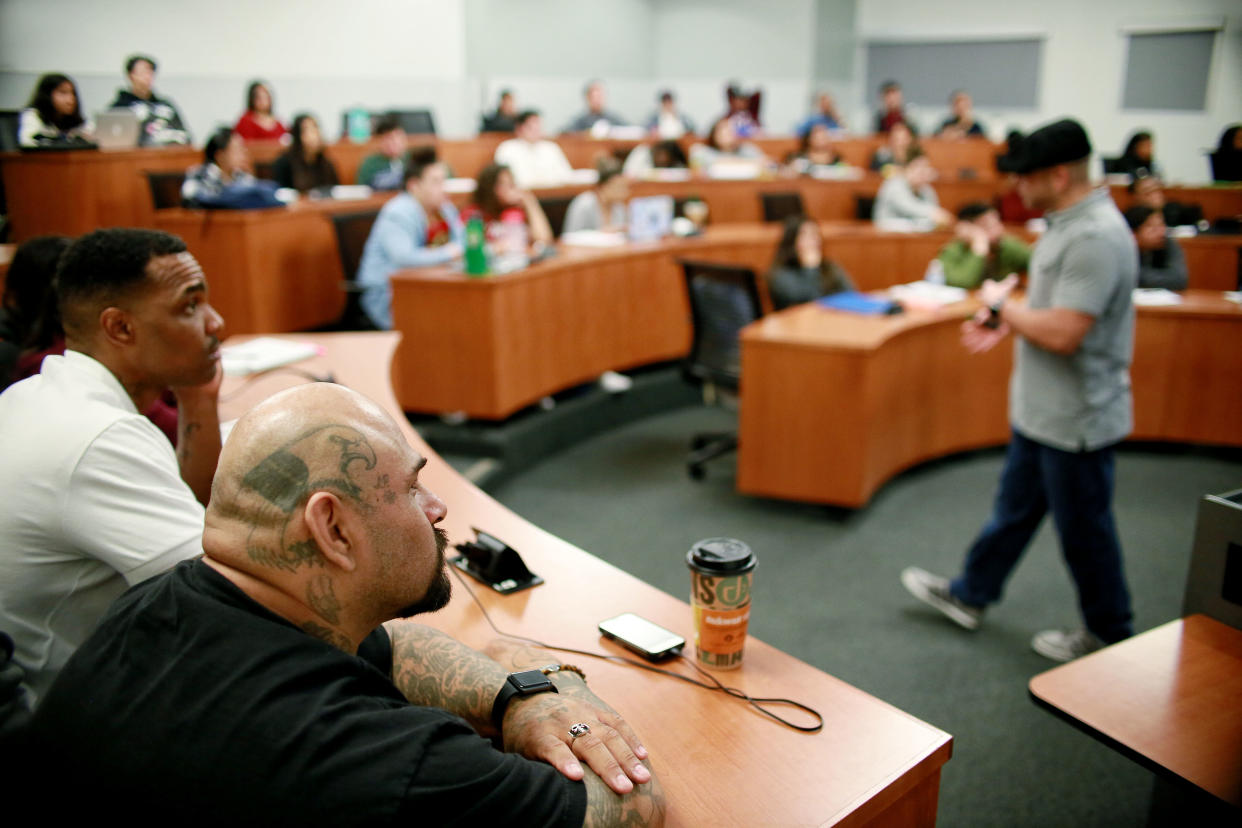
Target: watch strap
{"x":513,"y":686}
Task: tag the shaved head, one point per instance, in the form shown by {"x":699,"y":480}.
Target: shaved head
{"x":317,"y":497}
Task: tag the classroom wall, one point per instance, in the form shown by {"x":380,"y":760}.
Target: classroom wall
{"x":1084,"y":66}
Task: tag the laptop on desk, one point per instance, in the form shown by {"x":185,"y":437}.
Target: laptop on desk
{"x":117,"y":129}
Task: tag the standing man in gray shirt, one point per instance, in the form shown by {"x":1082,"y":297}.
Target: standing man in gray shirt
{"x":1069,"y":398}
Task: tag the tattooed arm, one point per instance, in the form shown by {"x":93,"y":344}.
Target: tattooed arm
{"x":431,"y":668}
{"x":198,"y":435}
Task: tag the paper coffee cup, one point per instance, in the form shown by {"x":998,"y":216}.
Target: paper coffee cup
{"x":721,"y":572}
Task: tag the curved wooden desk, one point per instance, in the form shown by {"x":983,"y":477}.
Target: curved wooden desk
{"x":720,"y":762}
{"x":833,"y":405}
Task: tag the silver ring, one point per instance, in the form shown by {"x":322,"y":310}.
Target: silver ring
{"x":580,"y":729}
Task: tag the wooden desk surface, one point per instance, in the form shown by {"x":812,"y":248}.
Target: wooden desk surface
{"x":835,"y":404}
{"x":719,"y":761}
{"x":1168,"y":698}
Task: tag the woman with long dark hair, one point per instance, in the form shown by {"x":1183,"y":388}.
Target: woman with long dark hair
{"x":258,"y":123}
{"x":799,"y":272}
{"x":304,"y":166}
{"x":54,"y":114}
{"x":504,"y":207}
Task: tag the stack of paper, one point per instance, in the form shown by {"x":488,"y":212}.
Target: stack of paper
{"x":593,"y":238}
{"x":924,"y":294}
{"x":1154,"y":297}
{"x":264,"y":354}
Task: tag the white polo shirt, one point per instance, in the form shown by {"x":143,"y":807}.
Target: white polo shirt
{"x":93,"y":503}
{"x":541,"y":164}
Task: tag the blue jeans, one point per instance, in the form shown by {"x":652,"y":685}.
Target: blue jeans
{"x":1078,"y":487}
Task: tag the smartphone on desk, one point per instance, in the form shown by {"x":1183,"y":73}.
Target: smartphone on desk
{"x":651,"y":641}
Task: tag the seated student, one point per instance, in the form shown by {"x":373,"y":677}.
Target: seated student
{"x":1149,"y":190}
{"x":668,"y":123}
{"x":1161,"y":261}
{"x":981,"y":250}
{"x":742,"y":110}
{"x":385,"y":170}
{"x":662,"y":155}
{"x":1228,"y":160}
{"x":513,"y":221}
{"x":892,"y":108}
{"x":159,"y":118}
{"x":907,"y":196}
{"x":504,"y":118}
{"x":305,"y":166}
{"x":418,"y":228}
{"x":29,"y":323}
{"x":816,"y":150}
{"x":603,"y":207}
{"x":258,"y":123}
{"x":596,"y":118}
{"x":240,"y":687}
{"x":1137,"y":160}
{"x":534,"y":160}
{"x":222,"y":180}
{"x":30,"y":301}
{"x":961,"y":123}
{"x":799,"y":272}
{"x":54,"y":114}
{"x":897,"y":152}
{"x":826,"y":116}
{"x":723,"y":144}
{"x":96,"y":498}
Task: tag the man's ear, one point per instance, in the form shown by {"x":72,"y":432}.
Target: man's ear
{"x":117,"y":326}
{"x":334,"y":529}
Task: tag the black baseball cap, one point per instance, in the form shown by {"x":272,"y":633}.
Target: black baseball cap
{"x":1061,"y":142}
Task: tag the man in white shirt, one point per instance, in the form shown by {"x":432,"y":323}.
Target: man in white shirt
{"x":96,"y":497}
{"x":907,"y":197}
{"x":534,"y":160}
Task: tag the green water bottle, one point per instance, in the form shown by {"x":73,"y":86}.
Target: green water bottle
{"x":476,"y":252}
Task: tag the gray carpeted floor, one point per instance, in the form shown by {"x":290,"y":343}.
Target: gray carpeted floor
{"x":827,"y":591}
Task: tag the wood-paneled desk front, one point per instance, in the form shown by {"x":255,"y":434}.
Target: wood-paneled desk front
{"x":77,"y":191}
{"x":720,"y":762}
{"x":1167,"y":698}
{"x":833,"y":404}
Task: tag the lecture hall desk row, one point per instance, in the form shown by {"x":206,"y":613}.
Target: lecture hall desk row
{"x":77,"y":191}
{"x":720,"y":762}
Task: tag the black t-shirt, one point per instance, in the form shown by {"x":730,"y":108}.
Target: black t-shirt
{"x":193,"y":704}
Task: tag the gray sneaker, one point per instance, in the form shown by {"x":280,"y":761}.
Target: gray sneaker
{"x":934,"y":591}
{"x":1065,"y":645}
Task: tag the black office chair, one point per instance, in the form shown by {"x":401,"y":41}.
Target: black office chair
{"x":864,"y":207}
{"x":352,"y":230}
{"x":415,"y":121}
{"x":723,"y":300}
{"x":555,"y":208}
{"x":265,"y":170}
{"x":9,"y":121}
{"x":779,"y":206}
{"x":1113,"y":166}
{"x":165,"y":189}
{"x":1225,"y":167}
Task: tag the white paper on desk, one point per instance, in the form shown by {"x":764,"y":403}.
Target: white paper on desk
{"x":667,"y":174}
{"x":1234,"y":296}
{"x":1183,"y":231}
{"x":901,"y":225}
{"x":836,"y":172}
{"x":735,"y":170}
{"x":627,"y":133}
{"x":1155,"y":297}
{"x":263,"y":354}
{"x":583,"y":177}
{"x":460,"y":185}
{"x":351,"y":192}
{"x":924,"y":294}
{"x":593,"y":238}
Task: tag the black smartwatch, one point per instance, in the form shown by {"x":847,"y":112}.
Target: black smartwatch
{"x":525,"y":683}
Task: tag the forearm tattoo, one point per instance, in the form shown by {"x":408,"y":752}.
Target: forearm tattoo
{"x":432,"y":669}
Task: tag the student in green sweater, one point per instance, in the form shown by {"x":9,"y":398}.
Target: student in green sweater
{"x":982,"y":249}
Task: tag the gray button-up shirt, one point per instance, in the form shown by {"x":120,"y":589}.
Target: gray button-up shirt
{"x":1087,"y":261}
